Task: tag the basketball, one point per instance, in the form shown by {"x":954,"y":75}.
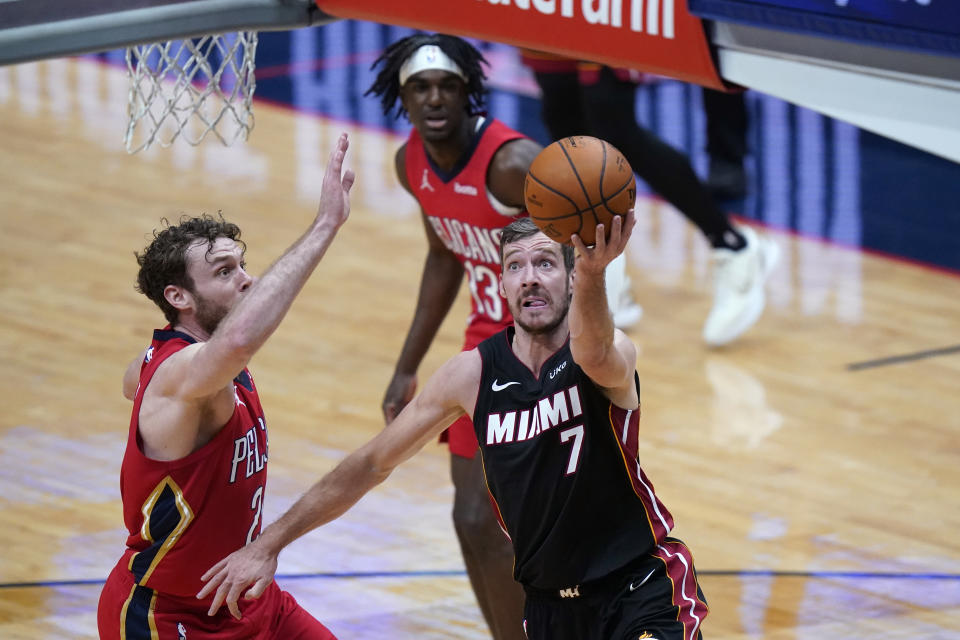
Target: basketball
{"x":577,"y":183}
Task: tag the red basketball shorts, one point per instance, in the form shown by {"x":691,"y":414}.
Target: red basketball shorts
{"x":134,"y":612}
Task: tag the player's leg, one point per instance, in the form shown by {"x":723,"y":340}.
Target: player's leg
{"x":293,"y":622}
{"x":115,"y":592}
{"x":726,"y":115}
{"x":743,"y":259}
{"x":560,"y":106}
{"x":609,"y":104}
{"x":487,"y":552}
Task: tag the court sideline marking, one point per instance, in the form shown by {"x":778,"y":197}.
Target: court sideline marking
{"x":455,"y":573}
{"x":907,"y":357}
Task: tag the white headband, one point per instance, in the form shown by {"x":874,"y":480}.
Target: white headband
{"x":429,"y":56}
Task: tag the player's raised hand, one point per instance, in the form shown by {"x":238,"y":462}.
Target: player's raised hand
{"x":335,"y":191}
{"x":399,"y":393}
{"x":247,"y":566}
{"x":596,"y":258}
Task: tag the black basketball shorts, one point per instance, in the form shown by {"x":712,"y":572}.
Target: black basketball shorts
{"x":656,"y":597}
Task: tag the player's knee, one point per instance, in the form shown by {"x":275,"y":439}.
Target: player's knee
{"x":478,"y":530}
{"x":471,"y":516}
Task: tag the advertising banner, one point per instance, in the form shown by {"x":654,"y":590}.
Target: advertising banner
{"x":656,"y":36}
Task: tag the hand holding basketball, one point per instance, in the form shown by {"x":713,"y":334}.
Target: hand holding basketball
{"x":608,"y":246}
{"x":577,"y":183}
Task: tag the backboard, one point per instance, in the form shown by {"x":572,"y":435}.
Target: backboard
{"x":37,"y":29}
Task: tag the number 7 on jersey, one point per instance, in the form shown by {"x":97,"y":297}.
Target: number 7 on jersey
{"x":577,"y":434}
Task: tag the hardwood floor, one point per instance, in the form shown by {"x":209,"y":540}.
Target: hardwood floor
{"x":819,"y":501}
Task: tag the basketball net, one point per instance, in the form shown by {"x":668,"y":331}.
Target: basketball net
{"x":189,"y":88}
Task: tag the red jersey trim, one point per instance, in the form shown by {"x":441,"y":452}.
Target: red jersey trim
{"x":493,"y":501}
{"x":691,"y":610}
{"x":625,"y":427}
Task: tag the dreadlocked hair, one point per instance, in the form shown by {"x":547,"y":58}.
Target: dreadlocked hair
{"x":387,"y":83}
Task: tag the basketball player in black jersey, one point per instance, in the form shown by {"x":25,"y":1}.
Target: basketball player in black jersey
{"x":555,"y":404}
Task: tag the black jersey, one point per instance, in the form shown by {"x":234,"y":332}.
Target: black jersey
{"x":561,"y":464}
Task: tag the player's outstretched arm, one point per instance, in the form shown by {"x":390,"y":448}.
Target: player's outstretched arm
{"x":439,"y":285}
{"x":258,"y":313}
{"x":248,"y":571}
{"x":604,"y":353}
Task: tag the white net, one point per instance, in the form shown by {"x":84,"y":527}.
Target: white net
{"x":189,"y":88}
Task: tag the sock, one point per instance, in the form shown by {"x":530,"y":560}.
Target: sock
{"x":729,"y":239}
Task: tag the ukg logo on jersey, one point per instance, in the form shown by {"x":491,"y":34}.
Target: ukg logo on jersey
{"x":653,"y":17}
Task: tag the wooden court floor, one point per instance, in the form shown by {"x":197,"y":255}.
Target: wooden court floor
{"x":820,"y":501}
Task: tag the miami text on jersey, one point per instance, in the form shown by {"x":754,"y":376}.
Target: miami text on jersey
{"x":524,"y":424}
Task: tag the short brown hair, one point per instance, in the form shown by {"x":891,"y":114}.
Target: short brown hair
{"x":164,"y":261}
{"x":524,"y":228}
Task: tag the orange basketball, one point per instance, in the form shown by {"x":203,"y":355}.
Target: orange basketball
{"x":577,"y":183}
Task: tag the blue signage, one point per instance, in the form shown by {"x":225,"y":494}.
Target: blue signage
{"x":923,"y":25}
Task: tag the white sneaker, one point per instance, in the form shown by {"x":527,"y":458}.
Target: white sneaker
{"x":738,"y":294}
{"x":626,"y":312}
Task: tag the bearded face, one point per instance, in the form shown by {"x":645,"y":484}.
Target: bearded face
{"x":217,"y":280}
{"x":536,"y":311}
{"x":536,"y":284}
{"x":209,"y":313}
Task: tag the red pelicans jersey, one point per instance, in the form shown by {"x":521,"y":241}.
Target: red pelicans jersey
{"x":186,"y":515}
{"x":459,"y":210}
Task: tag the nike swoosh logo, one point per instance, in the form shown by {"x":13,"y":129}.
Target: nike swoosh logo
{"x":501,"y":387}
{"x":637,"y":585}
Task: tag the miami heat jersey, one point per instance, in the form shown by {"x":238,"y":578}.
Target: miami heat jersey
{"x":561,"y":464}
{"x":458,"y":209}
{"x":186,"y":515}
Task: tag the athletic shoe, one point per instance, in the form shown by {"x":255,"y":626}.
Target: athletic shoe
{"x":627,"y":313}
{"x":738,"y":293}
